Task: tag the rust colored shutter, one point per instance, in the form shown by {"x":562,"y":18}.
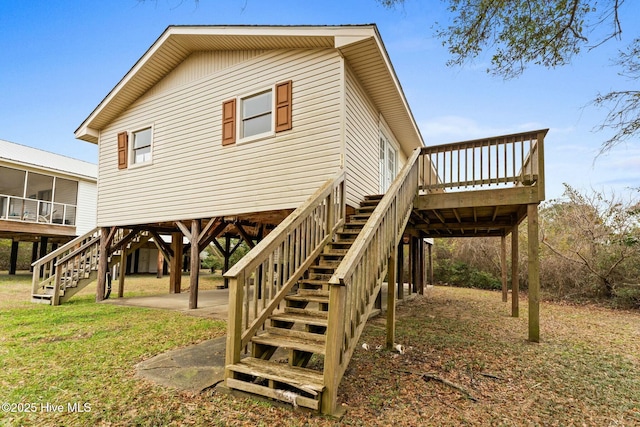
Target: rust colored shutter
{"x":123,"y":148}
{"x":229,"y":122}
{"x":283,"y":106}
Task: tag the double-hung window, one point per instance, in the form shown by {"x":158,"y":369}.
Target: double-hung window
{"x":141,"y":148}
{"x":256,"y":114}
{"x":135,"y":147}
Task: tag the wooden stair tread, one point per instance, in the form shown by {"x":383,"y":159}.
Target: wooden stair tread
{"x":301,"y":318}
{"x":313,"y":336}
{"x":308,"y":298}
{"x":289,"y":343}
{"x":304,"y":379}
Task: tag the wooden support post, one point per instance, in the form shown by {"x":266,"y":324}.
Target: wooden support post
{"x":175,"y":269}
{"x":415,"y":264}
{"x":421,"y":266}
{"x":103,"y":263}
{"x":227,"y":255}
{"x":195,"y":264}
{"x":391,"y":300}
{"x":44,"y":241}
{"x":430,"y":264}
{"x":13,"y":261}
{"x":534,"y":273}
{"x":515,"y":274}
{"x":160,"y":264}
{"x":400,"y":274}
{"x":123,"y":271}
{"x":503,"y":266}
{"x":34,"y":254}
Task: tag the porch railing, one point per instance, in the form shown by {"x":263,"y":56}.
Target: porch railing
{"x":262,"y":278}
{"x":37,"y":211}
{"x":503,"y":161}
{"x":358,"y":278}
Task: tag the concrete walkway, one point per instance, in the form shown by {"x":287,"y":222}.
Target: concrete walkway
{"x":211,"y":303}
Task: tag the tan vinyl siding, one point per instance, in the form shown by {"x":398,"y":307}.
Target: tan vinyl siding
{"x":192,"y":175}
{"x":363,"y":126}
{"x":199,"y":65}
{"x":361,"y":134}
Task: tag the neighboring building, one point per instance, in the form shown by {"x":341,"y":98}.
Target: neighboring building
{"x":45,"y":198}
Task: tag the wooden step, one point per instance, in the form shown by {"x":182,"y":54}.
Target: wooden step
{"x":377,"y":197}
{"x":306,"y":319}
{"x":313,"y":282}
{"x":311,"y":336}
{"x":314,"y":292}
{"x":290,"y":343}
{"x":308,"y":298}
{"x":305,"y":380}
{"x":306,"y":312}
{"x":41,"y":298}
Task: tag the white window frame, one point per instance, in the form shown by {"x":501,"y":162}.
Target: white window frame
{"x":239,"y":121}
{"x":386,"y":175}
{"x":132,"y":149}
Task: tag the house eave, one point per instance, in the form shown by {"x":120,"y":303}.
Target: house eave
{"x":177,"y":42}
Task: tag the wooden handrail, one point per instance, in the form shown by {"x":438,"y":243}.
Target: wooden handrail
{"x":62,"y":249}
{"x":84,"y":246}
{"x":358,"y":278}
{"x":259,"y":282}
{"x":258,"y":254}
{"x":354,"y":254}
{"x":499,"y":161}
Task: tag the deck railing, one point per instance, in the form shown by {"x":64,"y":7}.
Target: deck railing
{"x":503,"y":161}
{"x":262,"y":278}
{"x":37,"y":211}
{"x":357,"y":280}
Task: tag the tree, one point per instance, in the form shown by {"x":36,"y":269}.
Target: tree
{"x":597,"y":233}
{"x":519,"y":33}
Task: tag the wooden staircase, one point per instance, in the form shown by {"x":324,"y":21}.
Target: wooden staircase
{"x":299,"y":300}
{"x":66,"y":271}
{"x":286,"y":357}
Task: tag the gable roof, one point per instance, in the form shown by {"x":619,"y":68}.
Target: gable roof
{"x":21,"y":155}
{"x":360,"y":45}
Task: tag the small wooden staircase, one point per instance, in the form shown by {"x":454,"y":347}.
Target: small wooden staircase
{"x":66,"y":271}
{"x":286,"y":356}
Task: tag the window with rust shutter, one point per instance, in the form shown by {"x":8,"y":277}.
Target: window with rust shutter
{"x":229,"y":122}
{"x":283,"y":106}
{"x":123,"y":147}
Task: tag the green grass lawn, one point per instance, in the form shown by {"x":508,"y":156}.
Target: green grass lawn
{"x":56,"y":361}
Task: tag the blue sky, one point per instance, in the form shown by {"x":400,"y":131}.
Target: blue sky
{"x":59,"y":59}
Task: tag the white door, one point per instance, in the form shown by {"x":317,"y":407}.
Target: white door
{"x":387,"y":163}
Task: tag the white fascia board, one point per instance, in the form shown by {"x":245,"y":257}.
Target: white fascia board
{"x":397,"y":85}
{"x":87,"y":134}
{"x":80,"y":132}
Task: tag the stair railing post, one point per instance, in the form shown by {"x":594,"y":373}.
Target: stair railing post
{"x":391,"y":299}
{"x":331,"y":220}
{"x":333,"y":353}
{"x":234,"y":331}
{"x":103,"y":260}
{"x":55,"y":299}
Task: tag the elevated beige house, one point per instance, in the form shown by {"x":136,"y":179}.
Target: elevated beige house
{"x":298,"y":140}
{"x":45,"y":198}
